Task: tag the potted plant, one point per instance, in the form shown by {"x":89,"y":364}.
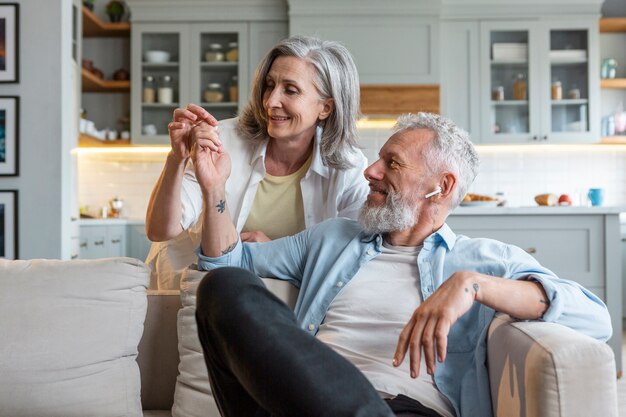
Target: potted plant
{"x":89,"y":4}
{"x":115,"y":10}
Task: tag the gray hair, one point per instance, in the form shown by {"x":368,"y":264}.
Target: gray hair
{"x":337,"y":79}
{"x":451,"y":150}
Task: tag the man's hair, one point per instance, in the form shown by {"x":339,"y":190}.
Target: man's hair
{"x":451,"y":150}
{"x":337,"y":79}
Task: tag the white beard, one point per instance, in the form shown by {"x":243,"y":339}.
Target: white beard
{"x":394,"y":215}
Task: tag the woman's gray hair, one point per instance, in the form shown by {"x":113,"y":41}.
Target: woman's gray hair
{"x":451,"y":150}
{"x":337,"y":79}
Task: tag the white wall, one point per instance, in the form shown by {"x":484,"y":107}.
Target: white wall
{"x":45,"y":137}
{"x":520,"y":172}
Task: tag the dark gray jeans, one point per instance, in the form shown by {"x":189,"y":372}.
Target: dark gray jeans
{"x":262,"y":364}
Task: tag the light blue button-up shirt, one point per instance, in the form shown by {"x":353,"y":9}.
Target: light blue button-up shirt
{"x":322,"y":259}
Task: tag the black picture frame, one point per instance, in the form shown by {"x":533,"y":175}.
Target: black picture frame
{"x":8,"y":224}
{"x":9,"y":42}
{"x":9,"y":136}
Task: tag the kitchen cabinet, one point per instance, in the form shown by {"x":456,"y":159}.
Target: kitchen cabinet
{"x":612,"y":38}
{"x":102,"y":241}
{"x":138,"y":244}
{"x":583,"y":247}
{"x":539,"y":81}
{"x":106,"y":101}
{"x":201,"y":55}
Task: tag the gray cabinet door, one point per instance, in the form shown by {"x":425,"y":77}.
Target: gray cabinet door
{"x":138,"y":243}
{"x":93,"y":242}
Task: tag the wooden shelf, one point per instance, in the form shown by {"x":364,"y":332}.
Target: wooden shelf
{"x":613,"y":140}
{"x":613,"y":83}
{"x":93,"y":84}
{"x":93,"y":27}
{"x":87,"y":141}
{"x":612,"y":24}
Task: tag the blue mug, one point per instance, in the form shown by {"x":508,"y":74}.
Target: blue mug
{"x":596,"y":196}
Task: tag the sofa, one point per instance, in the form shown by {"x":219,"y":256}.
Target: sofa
{"x":87,"y":338}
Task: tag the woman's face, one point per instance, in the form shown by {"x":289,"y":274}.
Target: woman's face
{"x":292,"y":102}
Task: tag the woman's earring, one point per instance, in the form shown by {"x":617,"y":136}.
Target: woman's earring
{"x":319,"y":129}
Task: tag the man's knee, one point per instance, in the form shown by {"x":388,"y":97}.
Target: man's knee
{"x":222,"y":286}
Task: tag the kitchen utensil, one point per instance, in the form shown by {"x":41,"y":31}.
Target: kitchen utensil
{"x":116,"y":204}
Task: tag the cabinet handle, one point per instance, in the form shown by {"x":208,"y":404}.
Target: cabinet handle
{"x":99,"y":242}
{"x":531,"y":250}
{"x":545,"y":137}
{"x":74,"y":257}
{"x":535,"y":137}
{"x":116,"y":240}
{"x":83,"y":245}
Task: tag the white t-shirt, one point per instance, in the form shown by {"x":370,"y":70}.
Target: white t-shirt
{"x":365,"y":319}
{"x":326,"y":193}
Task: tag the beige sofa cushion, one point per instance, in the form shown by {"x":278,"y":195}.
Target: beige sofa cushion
{"x":193,"y":397}
{"x":68,"y":337}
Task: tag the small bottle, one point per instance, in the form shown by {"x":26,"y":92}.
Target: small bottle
{"x":149,"y":91}
{"x":233,"y":89}
{"x":556,"y":91}
{"x":214,"y":53}
{"x":573,"y":93}
{"x":519,"y":88}
{"x":498,"y":93}
{"x":166,"y":90}
{"x":233,"y":52}
{"x":213,"y":93}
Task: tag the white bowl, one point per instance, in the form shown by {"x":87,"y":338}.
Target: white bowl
{"x":157,"y":57}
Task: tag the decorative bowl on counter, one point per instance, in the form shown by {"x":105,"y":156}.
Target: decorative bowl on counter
{"x":157,"y":57}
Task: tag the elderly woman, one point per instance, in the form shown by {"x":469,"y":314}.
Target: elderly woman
{"x":293,"y":152}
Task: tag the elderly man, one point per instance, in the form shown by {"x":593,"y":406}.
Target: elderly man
{"x":397,"y":281}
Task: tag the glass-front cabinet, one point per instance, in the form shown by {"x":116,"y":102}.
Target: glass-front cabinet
{"x":179,"y":64}
{"x":539,"y":82}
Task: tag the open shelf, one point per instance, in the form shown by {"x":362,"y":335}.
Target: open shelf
{"x":613,"y":83}
{"x":93,"y":84}
{"x":95,"y":28}
{"x":612,"y":24}
{"x":87,"y":141}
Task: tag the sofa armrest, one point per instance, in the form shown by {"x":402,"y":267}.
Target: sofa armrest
{"x":545,"y":369}
{"x":158,"y":350}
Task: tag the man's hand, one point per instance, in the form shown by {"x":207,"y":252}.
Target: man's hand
{"x":256,"y":236}
{"x":428,"y":328}
{"x":181,"y":125}
{"x":211,"y":161}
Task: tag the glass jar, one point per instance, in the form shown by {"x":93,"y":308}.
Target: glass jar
{"x":573,"y":93}
{"x":233,"y":52}
{"x":148,"y":94}
{"x":213,"y":93}
{"x":166,"y":90}
{"x":519,"y":88}
{"x":233,"y":89}
{"x":498,"y":93}
{"x":215,"y":53}
{"x":556,"y":91}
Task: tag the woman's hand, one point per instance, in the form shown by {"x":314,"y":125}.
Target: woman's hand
{"x":256,"y":236}
{"x":180,"y":128}
{"x":211,"y":161}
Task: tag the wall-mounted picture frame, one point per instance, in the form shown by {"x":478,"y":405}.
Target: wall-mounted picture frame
{"x":9,"y":136}
{"x":8,"y":224}
{"x":9,"y":42}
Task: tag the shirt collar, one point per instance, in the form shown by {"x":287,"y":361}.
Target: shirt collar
{"x":317,"y":164}
{"x":444,"y":234}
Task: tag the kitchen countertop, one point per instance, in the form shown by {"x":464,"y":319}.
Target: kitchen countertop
{"x":538,"y":210}
{"x":111,"y":221}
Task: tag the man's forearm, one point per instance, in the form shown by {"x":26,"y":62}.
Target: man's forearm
{"x":219,"y":235}
{"x":521,"y":299}
{"x":164,"y":208}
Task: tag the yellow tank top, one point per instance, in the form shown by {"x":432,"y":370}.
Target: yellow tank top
{"x":277,"y":209}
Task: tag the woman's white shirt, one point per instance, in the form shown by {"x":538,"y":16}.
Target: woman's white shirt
{"x":326,"y":193}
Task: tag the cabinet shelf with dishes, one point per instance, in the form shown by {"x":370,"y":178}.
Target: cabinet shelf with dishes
{"x":105,"y":99}
{"x":613,"y":25}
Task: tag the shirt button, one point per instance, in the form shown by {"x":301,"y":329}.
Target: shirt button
{"x":339,"y":284}
{"x":369,"y":252}
{"x":311,"y":327}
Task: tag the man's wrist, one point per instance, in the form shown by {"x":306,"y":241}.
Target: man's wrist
{"x":174,"y":158}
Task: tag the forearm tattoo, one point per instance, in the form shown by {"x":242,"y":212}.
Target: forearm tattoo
{"x":229,"y":249}
{"x":221,"y":206}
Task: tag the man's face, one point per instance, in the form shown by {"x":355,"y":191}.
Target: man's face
{"x":399,"y":179}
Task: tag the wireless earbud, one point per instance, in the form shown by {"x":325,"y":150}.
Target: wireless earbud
{"x":434,"y":192}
